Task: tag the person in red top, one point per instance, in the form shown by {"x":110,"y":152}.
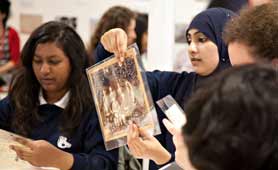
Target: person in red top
{"x":9,"y":45}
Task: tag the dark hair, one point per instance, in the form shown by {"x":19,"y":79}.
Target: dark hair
{"x":234,"y":5}
{"x":5,"y":8}
{"x":115,"y":17}
{"x":141,"y":28}
{"x":233,"y":123}
{"x":25,"y":88}
{"x":256,"y":28}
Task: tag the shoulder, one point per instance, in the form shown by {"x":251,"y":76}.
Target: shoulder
{"x":5,"y":102}
{"x":188,"y":75}
{"x":6,"y":110}
{"x":12,"y":32}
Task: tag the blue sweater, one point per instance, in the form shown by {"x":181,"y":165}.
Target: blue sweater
{"x":179,"y":85}
{"x":87,"y":144}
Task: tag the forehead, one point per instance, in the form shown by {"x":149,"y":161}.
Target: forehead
{"x":48,"y":49}
{"x":240,"y":53}
{"x":193,"y":32}
{"x":239,"y":47}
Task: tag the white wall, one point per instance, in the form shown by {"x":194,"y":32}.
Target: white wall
{"x":184,"y":10}
{"x":82,"y":9}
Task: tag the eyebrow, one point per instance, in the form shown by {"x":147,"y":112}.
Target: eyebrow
{"x":36,"y":54}
{"x":197,"y":32}
{"x":52,"y":56}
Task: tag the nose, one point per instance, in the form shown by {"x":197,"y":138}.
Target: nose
{"x":192,"y":49}
{"x":45,"y":69}
{"x":134,"y":34}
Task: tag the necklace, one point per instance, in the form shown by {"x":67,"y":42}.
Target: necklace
{"x":2,"y":43}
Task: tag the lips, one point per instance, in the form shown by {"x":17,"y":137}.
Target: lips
{"x":195,"y":61}
{"x":47,"y":81}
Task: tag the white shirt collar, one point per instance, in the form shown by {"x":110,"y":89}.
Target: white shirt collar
{"x":62,"y":103}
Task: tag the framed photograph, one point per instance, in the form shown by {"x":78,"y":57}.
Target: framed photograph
{"x":71,"y":21}
{"x":121,"y":96}
{"x":29,"y":22}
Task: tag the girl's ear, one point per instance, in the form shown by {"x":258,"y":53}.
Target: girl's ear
{"x":3,"y":15}
{"x":274,"y":62}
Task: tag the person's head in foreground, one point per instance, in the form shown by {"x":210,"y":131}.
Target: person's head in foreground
{"x":233,"y":123}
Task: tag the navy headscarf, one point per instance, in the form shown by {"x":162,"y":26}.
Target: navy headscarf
{"x":211,"y":22}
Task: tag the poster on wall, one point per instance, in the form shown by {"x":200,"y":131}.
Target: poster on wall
{"x":26,"y":3}
{"x":29,"y":22}
{"x":71,"y":21}
{"x":180,"y":29}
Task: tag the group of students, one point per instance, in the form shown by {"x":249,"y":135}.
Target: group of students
{"x":231,"y":121}
{"x":209,"y":55}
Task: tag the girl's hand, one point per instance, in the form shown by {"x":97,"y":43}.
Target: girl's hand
{"x":115,"y":41}
{"x":146,"y":146}
{"x":42,"y":154}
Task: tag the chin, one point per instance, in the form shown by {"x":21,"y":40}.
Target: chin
{"x":196,"y":69}
{"x":48,"y":88}
{"x":199,"y":71}
{"x":233,"y":63}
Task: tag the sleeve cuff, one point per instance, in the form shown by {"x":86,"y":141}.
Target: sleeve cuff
{"x":172,"y":159}
{"x":101,"y":53}
{"x":78,"y":161}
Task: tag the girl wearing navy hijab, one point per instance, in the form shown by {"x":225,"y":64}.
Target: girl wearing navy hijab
{"x":208,"y":55}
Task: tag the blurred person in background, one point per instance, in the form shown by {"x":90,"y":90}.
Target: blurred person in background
{"x":141,"y":30}
{"x":115,"y":17}
{"x":234,"y":5}
{"x":9,"y":45}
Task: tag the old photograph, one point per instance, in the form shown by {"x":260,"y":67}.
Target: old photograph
{"x":120,"y":96}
